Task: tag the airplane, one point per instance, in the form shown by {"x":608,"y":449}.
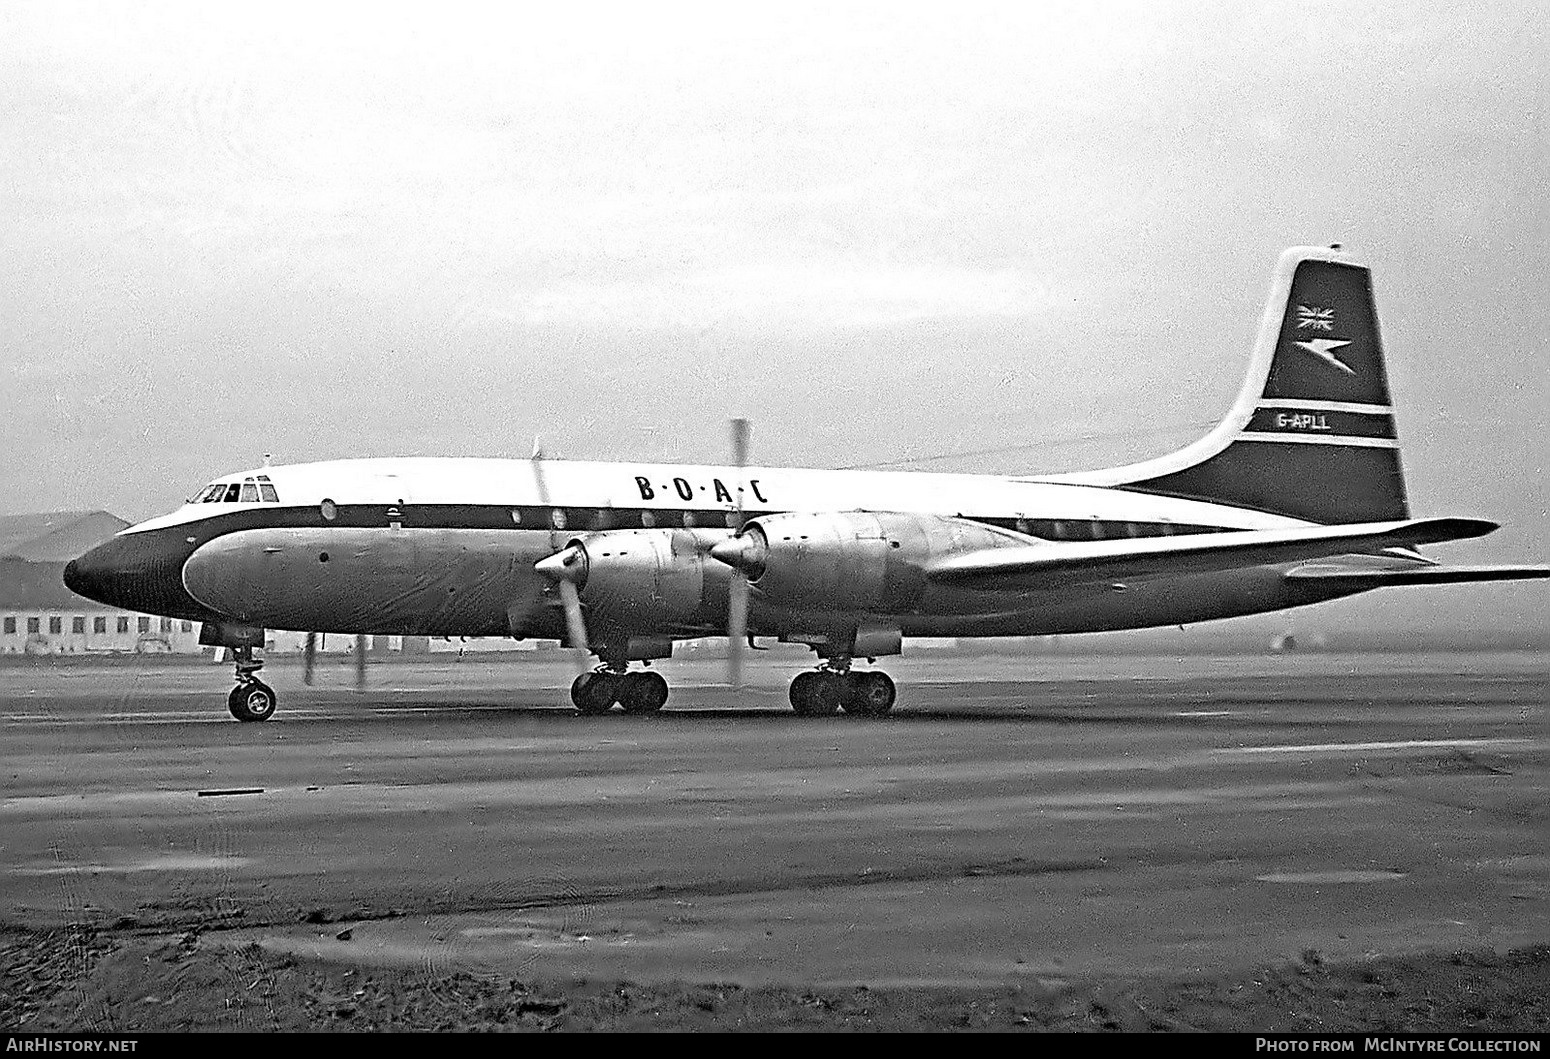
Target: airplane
{"x":1297,"y":496}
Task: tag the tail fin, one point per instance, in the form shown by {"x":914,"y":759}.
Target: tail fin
{"x":1311,"y":434}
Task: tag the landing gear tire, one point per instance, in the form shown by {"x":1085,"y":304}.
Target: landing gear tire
{"x":643,"y":692}
{"x":870,"y":694}
{"x":817,"y":694}
{"x":595,"y":693}
{"x":253,"y":701}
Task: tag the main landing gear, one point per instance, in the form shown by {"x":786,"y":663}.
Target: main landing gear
{"x":251,"y":699}
{"x":597,"y":691}
{"x":868,"y":694}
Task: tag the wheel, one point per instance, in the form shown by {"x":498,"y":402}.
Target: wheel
{"x":816,"y":694}
{"x":253,"y":701}
{"x":643,"y":693}
{"x":595,"y":693}
{"x":800,"y":692}
{"x":871,"y":694}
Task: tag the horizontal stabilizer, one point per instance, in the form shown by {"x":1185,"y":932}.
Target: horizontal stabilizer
{"x":1039,"y":566}
{"x":1440,"y":575}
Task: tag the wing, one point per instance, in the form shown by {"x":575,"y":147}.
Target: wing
{"x":1040,"y":566}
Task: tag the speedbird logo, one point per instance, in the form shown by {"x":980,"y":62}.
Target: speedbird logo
{"x":1323,"y":348}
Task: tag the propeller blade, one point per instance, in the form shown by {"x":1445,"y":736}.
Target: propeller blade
{"x":565,"y":568}
{"x":737,"y":626}
{"x":360,"y":660}
{"x":574,"y":624}
{"x":518,"y":611}
{"x":737,"y":587}
{"x":541,"y":484}
{"x":309,"y":658}
{"x":740,"y":435}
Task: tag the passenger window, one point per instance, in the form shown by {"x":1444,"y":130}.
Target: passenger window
{"x":267,"y":493}
{"x":231,"y":493}
{"x":249,"y":494}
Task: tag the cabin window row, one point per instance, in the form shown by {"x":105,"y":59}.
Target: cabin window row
{"x":589,"y":518}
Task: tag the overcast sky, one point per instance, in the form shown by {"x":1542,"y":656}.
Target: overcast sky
{"x":881,"y":232}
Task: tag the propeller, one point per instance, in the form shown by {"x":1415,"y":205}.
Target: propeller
{"x":309,"y":658}
{"x":737,"y":587}
{"x":566,"y":569}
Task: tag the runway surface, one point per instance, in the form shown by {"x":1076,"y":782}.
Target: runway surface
{"x":1016,"y":818}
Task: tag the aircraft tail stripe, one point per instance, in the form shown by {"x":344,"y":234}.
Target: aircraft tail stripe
{"x":1330,"y":406}
{"x":1306,"y":439}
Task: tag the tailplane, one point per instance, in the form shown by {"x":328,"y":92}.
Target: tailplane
{"x":1311,"y":434}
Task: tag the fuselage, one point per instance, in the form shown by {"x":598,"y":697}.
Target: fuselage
{"x":443,"y":546}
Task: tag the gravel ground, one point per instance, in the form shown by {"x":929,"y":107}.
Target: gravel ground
{"x":81,"y":981}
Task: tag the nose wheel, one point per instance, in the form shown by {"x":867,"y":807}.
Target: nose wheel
{"x":596,"y":692}
{"x":826,"y":691}
{"x":251,"y":699}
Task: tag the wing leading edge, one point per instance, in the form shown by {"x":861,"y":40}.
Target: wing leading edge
{"x":1039,"y":566}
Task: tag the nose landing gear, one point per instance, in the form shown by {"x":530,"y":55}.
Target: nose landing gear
{"x":596,"y":692}
{"x":251,"y":699}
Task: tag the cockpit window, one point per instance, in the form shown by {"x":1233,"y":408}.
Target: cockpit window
{"x":248,"y":491}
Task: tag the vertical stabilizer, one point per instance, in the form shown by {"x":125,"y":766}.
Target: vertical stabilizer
{"x":1311,"y":434}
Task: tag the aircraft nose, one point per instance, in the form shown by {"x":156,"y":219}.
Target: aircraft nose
{"x":139,"y":572}
{"x":93,"y":575}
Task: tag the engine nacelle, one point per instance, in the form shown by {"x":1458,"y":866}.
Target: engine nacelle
{"x":853,"y":560}
{"x":641,"y":579}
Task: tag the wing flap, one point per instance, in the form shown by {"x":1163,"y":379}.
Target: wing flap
{"x":1040,"y":566}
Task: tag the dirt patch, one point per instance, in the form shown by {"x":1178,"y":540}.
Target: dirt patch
{"x":76,"y":980}
{"x":42,"y":968}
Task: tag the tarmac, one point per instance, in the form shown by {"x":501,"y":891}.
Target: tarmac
{"x":1016,"y":819}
